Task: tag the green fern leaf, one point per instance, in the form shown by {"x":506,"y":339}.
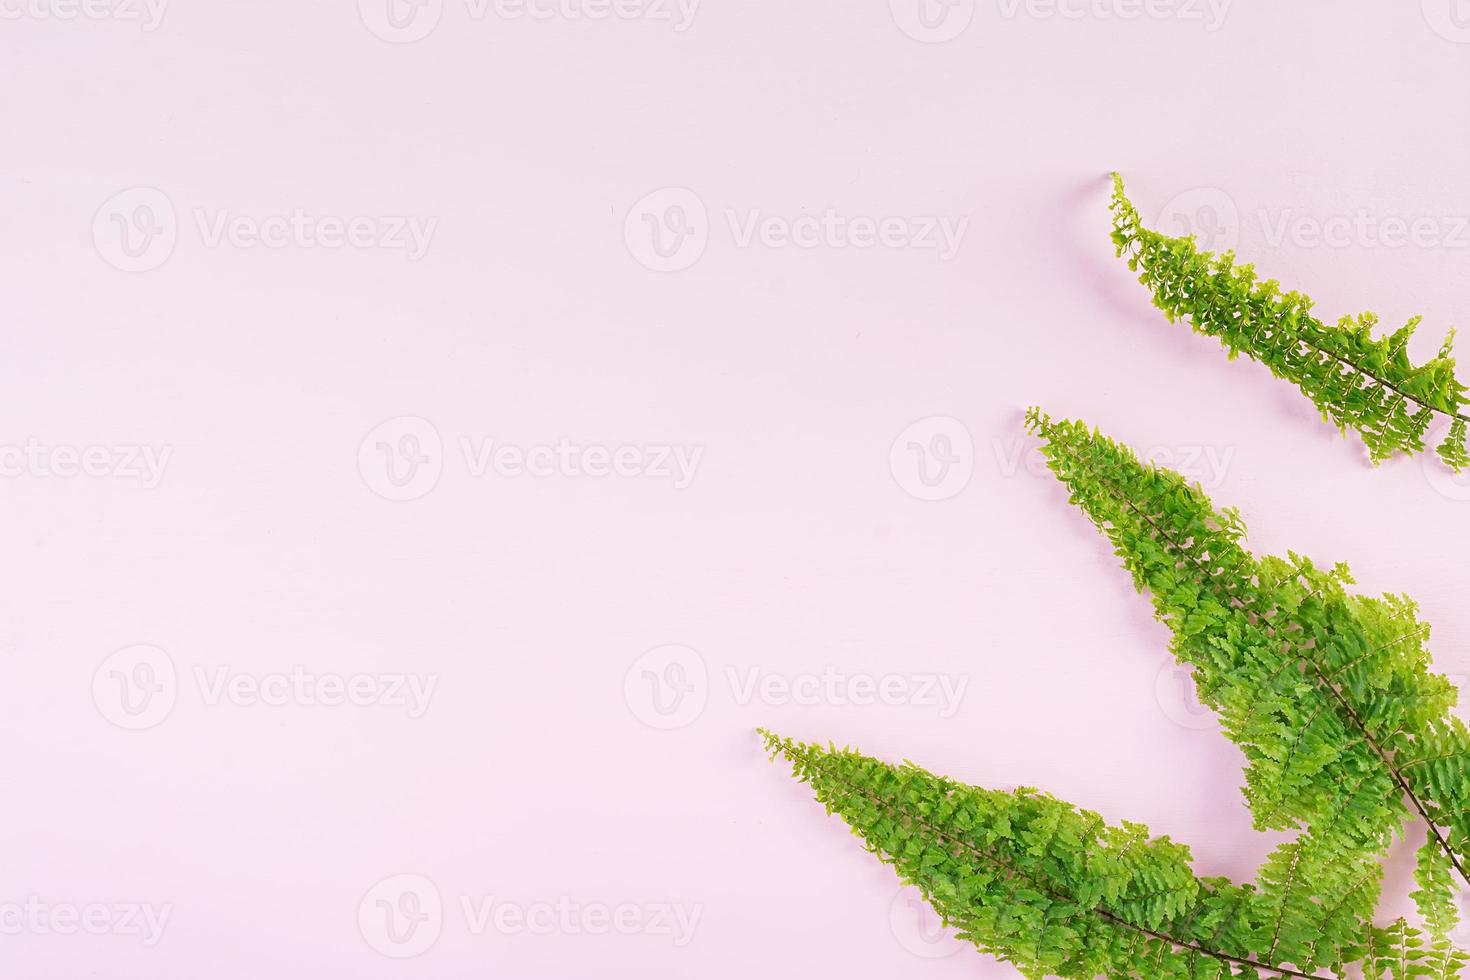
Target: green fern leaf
{"x":1052,"y":889}
{"x":1399,"y":952}
{"x":1346,"y":732}
{"x":1356,"y":381}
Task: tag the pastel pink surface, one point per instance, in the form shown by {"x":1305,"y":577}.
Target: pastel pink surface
{"x":533,"y":777}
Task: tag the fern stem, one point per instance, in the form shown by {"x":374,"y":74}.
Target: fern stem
{"x":1382,"y":382}
{"x":1394,"y":771}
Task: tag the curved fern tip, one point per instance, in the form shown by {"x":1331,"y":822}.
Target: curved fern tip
{"x":774,"y":744}
{"x":1127,"y":225}
{"x":1447,"y":349}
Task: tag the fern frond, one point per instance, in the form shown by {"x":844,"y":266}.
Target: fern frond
{"x":1356,"y":380}
{"x":1346,"y":732}
{"x":1399,"y":952}
{"x":1052,"y":889}
{"x":1316,"y":894}
{"x":1434,"y":898}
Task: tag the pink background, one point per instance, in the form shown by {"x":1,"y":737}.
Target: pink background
{"x":533,"y":776}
